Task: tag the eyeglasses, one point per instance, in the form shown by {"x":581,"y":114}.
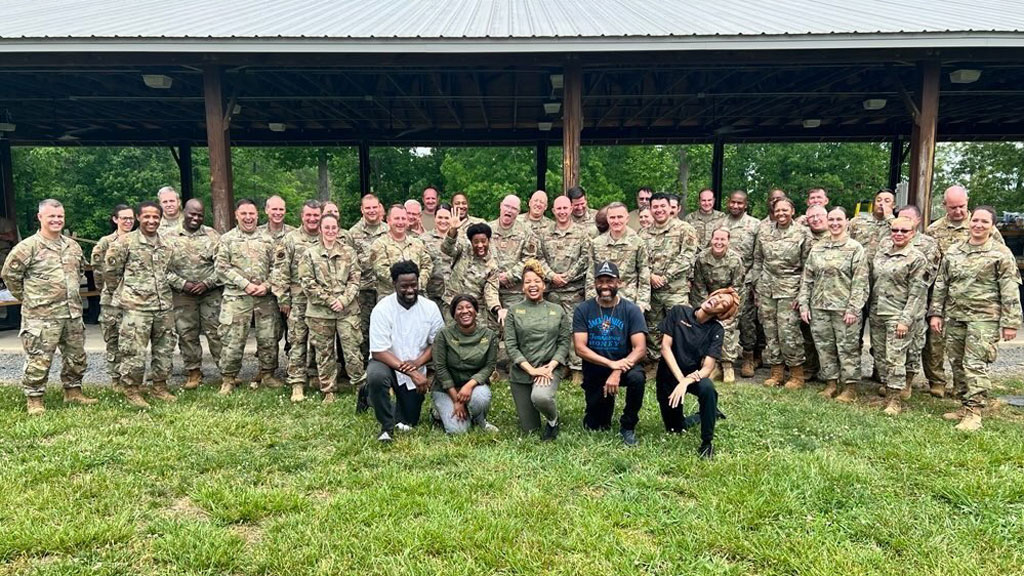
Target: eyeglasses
{"x":902,"y":230}
{"x":126,"y":218}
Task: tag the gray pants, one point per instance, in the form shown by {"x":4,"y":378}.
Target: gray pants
{"x":533,"y":401}
{"x":478,"y":406}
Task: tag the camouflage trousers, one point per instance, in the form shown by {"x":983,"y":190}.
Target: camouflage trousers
{"x":195,"y":315}
{"x":933,"y":357}
{"x":367,"y":300}
{"x":139,"y":331}
{"x":893,"y":356}
{"x":110,"y":327}
{"x":301,"y":364}
{"x":747,"y":320}
{"x":838,"y":346}
{"x":812,"y":367}
{"x":783,"y":341}
{"x":41,"y":337}
{"x":661,"y":302}
{"x":236,"y":312}
{"x":971,"y":347}
{"x":322,"y":332}
{"x":568,"y":302}
{"x":731,"y":340}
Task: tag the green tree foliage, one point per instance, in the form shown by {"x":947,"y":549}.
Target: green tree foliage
{"x":993,"y":173}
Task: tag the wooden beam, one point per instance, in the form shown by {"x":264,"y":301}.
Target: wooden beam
{"x":7,"y":181}
{"x":572,"y":123}
{"x":922,"y":147}
{"x":219,"y":147}
{"x":895,"y":161}
{"x":364,"y":168}
{"x":185,"y":171}
{"x":542,"y":165}
{"x":717,"y":170}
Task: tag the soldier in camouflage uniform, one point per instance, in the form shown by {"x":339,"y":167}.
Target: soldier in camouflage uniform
{"x":291,"y":300}
{"x":779,"y":255}
{"x":329,"y":275}
{"x":538,"y":223}
{"x":643,"y":202}
{"x":742,"y":236}
{"x":137,"y":268}
{"x":717,"y":268}
{"x":123,"y":218}
{"x":833,"y":291}
{"x":361,"y":236}
{"x":442,"y":268}
{"x":514,"y":244}
{"x":395,"y":246}
{"x":567,"y":252}
{"x":197,"y":290}
{"x":870,"y":229}
{"x":705,"y":220}
{"x":976,"y":301}
{"x":276,"y":229}
{"x":460,"y":210}
{"x":581,"y":213}
{"x":474,"y":270}
{"x":244,"y":262}
{"x":627,"y":250}
{"x":44,"y":271}
{"x":414,"y":213}
{"x":816,"y":220}
{"x":170,"y":204}
{"x":899,"y":296}
{"x":672,"y":247}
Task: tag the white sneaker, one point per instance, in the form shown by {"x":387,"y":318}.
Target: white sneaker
{"x":384,"y":437}
{"x":490,"y":428}
{"x":403,"y":427}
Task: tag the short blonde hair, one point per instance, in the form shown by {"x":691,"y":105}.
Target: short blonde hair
{"x":533,"y":265}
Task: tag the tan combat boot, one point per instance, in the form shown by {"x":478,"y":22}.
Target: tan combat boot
{"x":75,"y":396}
{"x":937,"y":389}
{"x":728,"y":374}
{"x":132,"y":395}
{"x":758,"y":359}
{"x":161,"y":393}
{"x":796,"y":378}
{"x":35,"y":405}
{"x":908,"y":387}
{"x":778,"y":374}
{"x":747,"y":368}
{"x":195,"y":378}
{"x":831,"y":387}
{"x":848,"y":395}
{"x":227,"y":385}
{"x":971,"y":421}
{"x":895,"y":404}
{"x":298,"y":393}
{"x":268,"y":380}
{"x":329,"y":398}
{"x":577,"y":377}
{"x":650,"y":370}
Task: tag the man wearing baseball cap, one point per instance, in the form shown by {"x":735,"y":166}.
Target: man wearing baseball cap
{"x":610,"y":335}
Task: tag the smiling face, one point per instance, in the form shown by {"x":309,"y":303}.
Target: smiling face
{"x":981,"y":226}
{"x":737,"y":204}
{"x":371,"y":210}
{"x":817,"y":197}
{"x":310,"y":219}
{"x":817,"y":219}
{"x":645,"y":218}
{"x":562,"y":209}
{"x":533,"y":286}
{"x":193,"y":215}
{"x":538,"y":204}
{"x":125,"y":220}
{"x":465,"y":314}
{"x":707,"y":201}
{"x":461,"y":205}
{"x":398,"y":221}
{"x":481,"y":244}
{"x":430,"y":200}
{"x":836,"y":223}
{"x":617,"y":219}
{"x":902,"y":231}
{"x":414,"y":214}
{"x":783,"y":213}
{"x":247,"y":217}
{"x":508,"y":211}
{"x":407,"y":288}
{"x":660,"y":210}
{"x":51,"y":220}
{"x":442,"y":220}
{"x":275,"y":210}
{"x":149,"y":220}
{"x":329,"y":229}
{"x":579,"y":206}
{"x":643,"y":198}
{"x":719,"y":242}
{"x":169,"y":202}
{"x":607,"y":287}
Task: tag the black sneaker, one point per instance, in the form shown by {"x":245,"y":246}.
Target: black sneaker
{"x":549,"y":433}
{"x":706,"y":451}
{"x":628,"y":437}
{"x":362,"y":399}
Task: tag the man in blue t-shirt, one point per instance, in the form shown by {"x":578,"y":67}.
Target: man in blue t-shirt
{"x":610,"y":335}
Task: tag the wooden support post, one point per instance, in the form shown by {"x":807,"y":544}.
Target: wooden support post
{"x":922,"y":146}
{"x":717,"y":171}
{"x":895,"y":162}
{"x":7,"y":181}
{"x":219,"y":145}
{"x":542,"y":165}
{"x":185,"y":171}
{"x":364,"y":168}
{"x":572,"y":124}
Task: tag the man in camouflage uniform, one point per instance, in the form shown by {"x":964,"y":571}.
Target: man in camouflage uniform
{"x":291,"y":300}
{"x":742,"y":235}
{"x":431,"y":201}
{"x":869,"y":230}
{"x":567,"y":252}
{"x":442,"y":269}
{"x":534,"y":217}
{"x":137,"y":272}
{"x":627,"y":250}
{"x":460,"y":208}
{"x":414,"y":214}
{"x":276,"y":229}
{"x":170,"y":204}
{"x":197,"y":290}
{"x":361,"y":236}
{"x":716,"y":268}
{"x":816,"y":220}
{"x":110,"y":315}
{"x":706,"y":219}
{"x":671,"y":246}
{"x":44,"y":271}
{"x":815,"y":197}
{"x":395,"y":246}
{"x":581,"y":213}
{"x":643,"y":200}
{"x":512,"y":244}
{"x":244,"y":262}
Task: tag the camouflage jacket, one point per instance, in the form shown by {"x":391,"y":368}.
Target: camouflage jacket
{"x":779,"y":256}
{"x":630,"y":254}
{"x":168,"y":226}
{"x":925,"y":244}
{"x":900,"y":278}
{"x":99,"y":259}
{"x":835,"y":277}
{"x":278,"y":236}
{"x":46,"y":275}
{"x":511,"y":247}
{"x":742,"y":237}
{"x":704,"y":225}
{"x":711,"y":273}
{"x":587,"y":222}
{"x":138,"y":271}
{"x":328,"y":275}
{"x":288,"y":253}
{"x":442,"y":267}
{"x":193,"y":256}
{"x":869,"y":231}
{"x":243,"y":258}
{"x":978,"y":283}
{"x":568,"y":252}
{"x":947,"y":233}
{"x":386,"y":251}
{"x":540,"y":228}
{"x":471,"y":275}
{"x":361,"y":236}
{"x":672,"y":249}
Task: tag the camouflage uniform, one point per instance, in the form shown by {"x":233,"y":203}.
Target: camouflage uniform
{"x":742,"y":237}
{"x":711,"y":273}
{"x":169,"y":226}
{"x":704,"y":225}
{"x":672,"y":248}
{"x":540,"y":228}
{"x":835,"y":283}
{"x":192,"y":259}
{"x":277,"y":237}
{"x":568,"y":252}
{"x":630,"y":254}
{"x":587,"y":222}
{"x":138,"y":265}
{"x":441,"y":269}
{"x":46,"y":276}
{"x":899,"y":295}
{"x":511,"y":247}
{"x":869,"y":232}
{"x":977,"y":294}
{"x":779,"y":256}
{"x":110,"y":315}
{"x":326,"y":275}
{"x":470,"y":275}
{"x":360,"y":237}
{"x":245,"y":257}
{"x":386,"y":251}
{"x":285,"y":283}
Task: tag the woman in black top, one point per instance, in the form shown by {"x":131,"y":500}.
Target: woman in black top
{"x":691,"y":345}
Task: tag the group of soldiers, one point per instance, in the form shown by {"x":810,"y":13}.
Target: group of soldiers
{"x":173,"y":278}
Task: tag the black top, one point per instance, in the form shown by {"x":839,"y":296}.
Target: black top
{"x":608,"y":329}
{"x":691,"y":340}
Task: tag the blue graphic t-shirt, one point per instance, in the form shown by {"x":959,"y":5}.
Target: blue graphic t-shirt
{"x":608,"y":329}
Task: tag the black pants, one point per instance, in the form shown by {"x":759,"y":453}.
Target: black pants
{"x":380,"y":381}
{"x":707,"y":400}
{"x":598,"y":413}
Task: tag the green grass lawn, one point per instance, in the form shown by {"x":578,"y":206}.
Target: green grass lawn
{"x":252,"y":484}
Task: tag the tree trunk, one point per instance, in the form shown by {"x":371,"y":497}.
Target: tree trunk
{"x":684,"y":179}
{"x":323,"y":181}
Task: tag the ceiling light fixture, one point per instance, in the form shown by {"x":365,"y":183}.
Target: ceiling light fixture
{"x":7,"y":126}
{"x":157,"y":81}
{"x":544,"y":126}
{"x":964,"y":76}
{"x":812,"y":123}
{"x":277,"y":126}
{"x":552,"y":107}
{"x":874,"y":103}
{"x":557,"y":81}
